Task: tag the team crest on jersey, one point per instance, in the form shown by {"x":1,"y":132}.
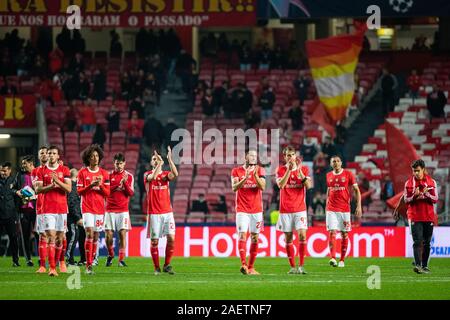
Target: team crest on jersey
{"x":60,"y":175}
{"x":343,"y":179}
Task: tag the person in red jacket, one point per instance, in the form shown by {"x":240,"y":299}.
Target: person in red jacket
{"x":420,"y":195}
{"x":414,"y":84}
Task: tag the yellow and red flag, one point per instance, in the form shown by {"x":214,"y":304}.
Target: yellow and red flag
{"x":333,"y":63}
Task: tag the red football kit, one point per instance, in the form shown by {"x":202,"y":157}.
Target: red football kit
{"x":55,"y":199}
{"x":293,"y":195}
{"x":93,"y":198}
{"x":339,"y":185}
{"x":158,"y":193}
{"x":120,"y":194}
{"x":249,"y":196}
{"x":420,"y":208}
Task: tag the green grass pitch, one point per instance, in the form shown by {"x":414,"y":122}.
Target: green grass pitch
{"x":219,"y":278}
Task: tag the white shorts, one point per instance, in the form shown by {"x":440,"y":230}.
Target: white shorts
{"x":338,"y":221}
{"x":117,"y":221}
{"x":55,"y":221}
{"x":39,"y":227}
{"x":92,"y":220}
{"x":288,"y":222}
{"x":249,"y":221}
{"x":160,"y":225}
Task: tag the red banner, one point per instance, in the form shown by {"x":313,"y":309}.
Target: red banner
{"x":400,"y":154}
{"x":130,"y":13}
{"x":222,"y":242}
{"x":18,"y":111}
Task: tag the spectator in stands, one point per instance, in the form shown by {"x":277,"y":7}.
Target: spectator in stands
{"x":301,"y":85}
{"x":223,"y":43}
{"x":208,"y":103}
{"x":252,"y":119}
{"x":294,"y":55}
{"x":125,"y":86}
{"x":420,"y":43}
{"x":388,"y":87}
{"x":141,"y":42}
{"x":318,"y":204}
{"x":70,"y":122}
{"x":320,"y":167}
{"x":8,"y":88}
{"x":209,"y":45}
{"x":200,"y":205}
{"x":436,"y":102}
{"x":78,"y":43}
{"x":285,"y":133}
{"x":56,"y":58}
{"x":387,"y":190}
{"x":308,"y":150}
{"x":279,"y":59}
{"x":99,"y":85}
{"x":296,"y":115}
{"x":184,"y":66}
{"x":264,"y":57}
{"x":22,"y":63}
{"x":113,"y":118}
{"x":76,"y":65}
{"x":39,"y":67}
{"x":364,"y":187}
{"x":328,"y":148}
{"x":87,"y":117}
{"x":153,"y":132}
{"x":70,"y":86}
{"x":15,"y":43}
{"x":414,"y":84}
{"x":135,"y":129}
{"x":154,"y":90}
{"x":220,"y":97}
{"x":138,"y":106}
{"x":99,"y":136}
{"x":84,"y":85}
{"x":45,"y":90}
{"x":63,"y":41}
{"x":221,"y":206}
{"x":168,"y":130}
{"x":115,"y":49}
{"x":266,"y":102}
{"x":245,"y":58}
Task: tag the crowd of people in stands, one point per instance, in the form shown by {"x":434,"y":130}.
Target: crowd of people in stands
{"x":242,"y":55}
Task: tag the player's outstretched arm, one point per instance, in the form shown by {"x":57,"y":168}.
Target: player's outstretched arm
{"x":396,"y":213}
{"x":358,"y":211}
{"x":173,"y":169}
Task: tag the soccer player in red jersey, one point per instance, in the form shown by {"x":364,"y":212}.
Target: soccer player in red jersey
{"x":160,"y":221}
{"x":420,"y":195}
{"x":248,"y":181}
{"x":93,"y":186}
{"x":117,"y":217}
{"x":39,"y":227}
{"x":293,"y":181}
{"x":54,"y":181}
{"x":339,"y":182}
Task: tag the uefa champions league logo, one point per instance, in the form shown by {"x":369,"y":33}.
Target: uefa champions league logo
{"x":401,"y":6}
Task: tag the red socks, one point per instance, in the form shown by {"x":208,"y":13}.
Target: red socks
{"x":58,"y":251}
{"x":121,"y":254}
{"x":301,"y":252}
{"x":88,"y":244}
{"x":344,"y":246}
{"x":42,"y":252}
{"x":64,"y":249}
{"x":332,"y":245}
{"x":253,"y":253}
{"x":111,"y":251}
{"x":155,"y":256}
{"x":94,"y":249}
{"x":169,"y":252}
{"x":290,"y":254}
{"x":51,"y":255}
{"x":242,"y":251}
